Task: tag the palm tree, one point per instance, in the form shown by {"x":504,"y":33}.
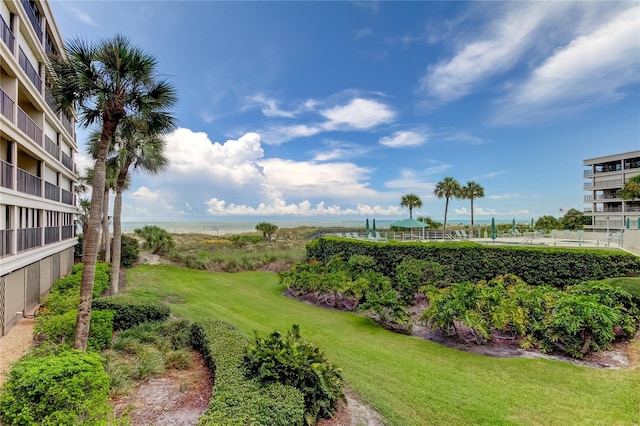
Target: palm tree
{"x":267,"y":229}
{"x":104,"y":82}
{"x":447,"y":188}
{"x":472,"y":191}
{"x":138,"y":144}
{"x":411,"y":201}
{"x":111,"y":174}
{"x":631,"y":189}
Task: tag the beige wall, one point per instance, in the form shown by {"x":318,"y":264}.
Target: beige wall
{"x":45,"y":275}
{"x":14,"y":297}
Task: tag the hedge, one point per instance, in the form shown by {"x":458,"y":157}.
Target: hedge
{"x":61,"y":389}
{"x":472,"y":262}
{"x":131,"y":311}
{"x":60,"y":329}
{"x":237,"y":400}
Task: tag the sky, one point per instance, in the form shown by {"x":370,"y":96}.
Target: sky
{"x":334,"y":110}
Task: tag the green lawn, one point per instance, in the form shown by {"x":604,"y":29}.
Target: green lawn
{"x":408,"y":380}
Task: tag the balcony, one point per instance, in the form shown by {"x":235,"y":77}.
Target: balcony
{"x":67,"y":124}
{"x":6,"y":105}
{"x":29,"y":184}
{"x":611,"y":183}
{"x":34,"y":16}
{"x":68,"y":231}
{"x":51,"y":147}
{"x":6,"y":238}
{"x":31,"y":71}
{"x":66,"y":161}
{"x":587,"y":210}
{"x":51,"y":234}
{"x":588,"y":185}
{"x":7,"y":35}
{"x":27,"y":125}
{"x":67,"y":197}
{"x":51,"y":192}
{"x":6,"y":175}
{"x":29,"y":238}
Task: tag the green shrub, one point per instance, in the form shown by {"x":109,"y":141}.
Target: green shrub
{"x":411,"y":274}
{"x":60,"y":329}
{"x":59,"y":302}
{"x":156,"y":239}
{"x":101,"y":281}
{"x":63,"y":389}
{"x":237,"y":400}
{"x":131,"y":311}
{"x":292,"y":361}
{"x":129,"y":251}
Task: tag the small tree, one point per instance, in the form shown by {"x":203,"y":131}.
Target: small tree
{"x":267,"y":229}
{"x":573,"y":219}
{"x":432,"y":223}
{"x":412,"y":201}
{"x":547,"y":223}
{"x":631,"y":189}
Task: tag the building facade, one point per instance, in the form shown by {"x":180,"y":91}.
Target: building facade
{"x":37,"y":169}
{"x":606,"y":176}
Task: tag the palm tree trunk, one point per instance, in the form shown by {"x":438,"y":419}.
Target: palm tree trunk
{"x":117,"y":238}
{"x":410,"y":212}
{"x":106,"y":239}
{"x":90,"y":254}
{"x":472,"y":228}
{"x":446,"y":208}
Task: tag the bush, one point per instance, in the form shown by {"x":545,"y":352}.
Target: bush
{"x":291,"y":361}
{"x":131,"y":311}
{"x":156,"y":239}
{"x":237,"y":400}
{"x":472,"y":262}
{"x":68,"y":388}
{"x":102,"y":278}
{"x":60,"y":329}
{"x":412,"y":274}
{"x":129,"y":251}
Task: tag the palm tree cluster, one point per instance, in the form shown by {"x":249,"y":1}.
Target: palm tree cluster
{"x":113,"y":87}
{"x":447,"y":188}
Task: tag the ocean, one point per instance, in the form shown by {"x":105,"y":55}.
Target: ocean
{"x":225,"y":227}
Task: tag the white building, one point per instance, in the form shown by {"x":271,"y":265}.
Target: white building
{"x":606,"y":176}
{"x":37,"y":169}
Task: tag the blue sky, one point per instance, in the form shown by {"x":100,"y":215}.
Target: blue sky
{"x":337,"y":109}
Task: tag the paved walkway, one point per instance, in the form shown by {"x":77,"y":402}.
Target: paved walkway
{"x":14,"y":345}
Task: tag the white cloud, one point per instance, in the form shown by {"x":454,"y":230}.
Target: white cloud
{"x":146,"y":194}
{"x":592,"y":69}
{"x":404,"y":138}
{"x":82,"y":16}
{"x":278,"y":135}
{"x":269,"y":106}
{"x":497,"y":50}
{"x":464,"y":137}
{"x":503,"y":196}
{"x":304,"y":208}
{"x":411,"y":181}
{"x":489,"y":175}
{"x":338,"y":150}
{"x":358,"y":114}
{"x":363,"y":33}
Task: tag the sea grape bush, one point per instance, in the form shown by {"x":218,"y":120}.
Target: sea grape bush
{"x":585,"y":318}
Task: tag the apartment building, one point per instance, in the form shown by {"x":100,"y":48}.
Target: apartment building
{"x":606,"y":176}
{"x":37,"y":169}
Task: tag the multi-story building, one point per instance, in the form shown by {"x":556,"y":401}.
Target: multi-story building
{"x":606,"y":177}
{"x":37,"y":169}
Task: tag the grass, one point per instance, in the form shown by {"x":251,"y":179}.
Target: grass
{"x":410,"y":381}
{"x":630,"y":284}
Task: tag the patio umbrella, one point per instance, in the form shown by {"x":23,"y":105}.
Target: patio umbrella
{"x":513,"y":227}
{"x":373,"y":230}
{"x":493,"y":228}
{"x":628,"y":223}
{"x":366,"y":228}
{"x":410,"y":224}
{"x":533,"y":228}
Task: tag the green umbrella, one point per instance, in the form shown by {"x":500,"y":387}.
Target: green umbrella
{"x":366,"y":227}
{"x":493,"y":228}
{"x":513,"y":227}
{"x":628,"y":223}
{"x":533,"y":228}
{"x":374,"y":227}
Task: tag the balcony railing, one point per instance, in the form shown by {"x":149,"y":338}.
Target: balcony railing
{"x":29,"y":238}
{"x":7,"y":35}
{"x":67,"y":124}
{"x":51,"y":192}
{"x":29,"y":183}
{"x":588,"y":210}
{"x":588,"y":173}
{"x":588,"y":185}
{"x":27,"y":125}
{"x":67,"y":197}
{"x":51,"y":234}
{"x":68,"y":231}
{"x":66,"y":160}
{"x":6,"y":238}
{"x":6,"y":175}
{"x":34,"y":16}
{"x":31,"y":71}
{"x":51,"y":147}
{"x":608,"y":210}
{"x":609,"y":223}
{"x":611,"y":183}
{"x":6,"y":105}
{"x":51,"y":101}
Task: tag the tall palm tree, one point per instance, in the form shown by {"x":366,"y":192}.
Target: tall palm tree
{"x":104,"y":82}
{"x":411,"y":201}
{"x":111,"y":174}
{"x":447,"y":188}
{"x":138,"y":144}
{"x":472,"y":191}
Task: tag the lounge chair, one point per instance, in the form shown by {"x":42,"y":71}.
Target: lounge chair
{"x":464,"y":234}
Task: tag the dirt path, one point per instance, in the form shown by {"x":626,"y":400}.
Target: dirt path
{"x":14,"y":345}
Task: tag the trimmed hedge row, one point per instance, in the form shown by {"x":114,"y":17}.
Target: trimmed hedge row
{"x":131,"y":311}
{"x":472,"y":262}
{"x":237,"y":400}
